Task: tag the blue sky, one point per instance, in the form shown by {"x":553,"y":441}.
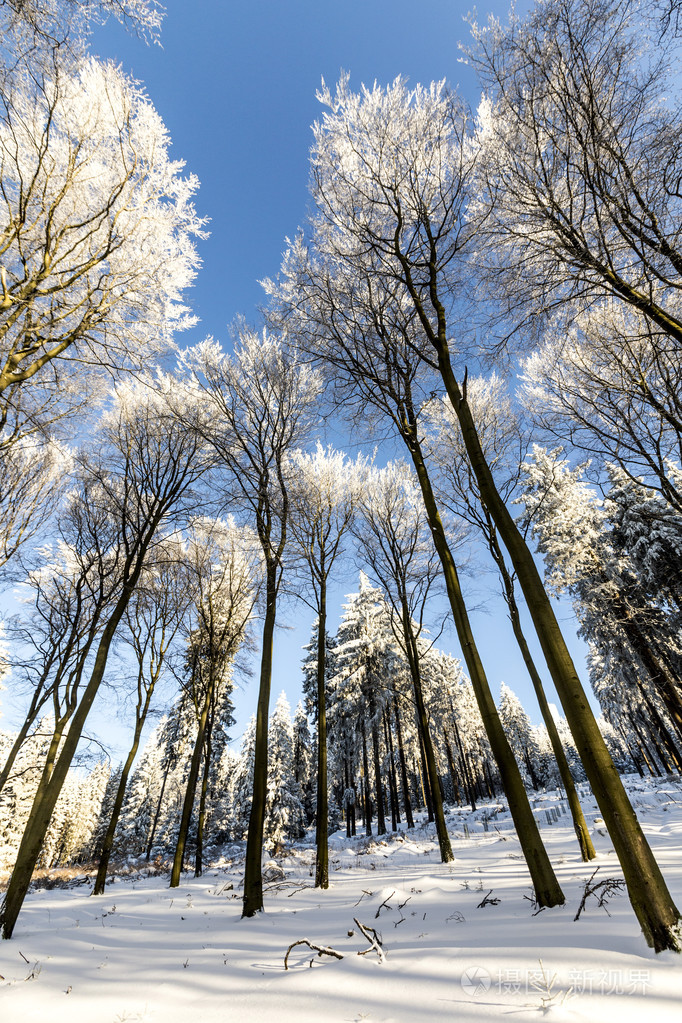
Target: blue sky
{"x":235,"y":84}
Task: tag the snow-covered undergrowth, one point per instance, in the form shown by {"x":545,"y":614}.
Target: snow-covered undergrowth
{"x":462,"y":942}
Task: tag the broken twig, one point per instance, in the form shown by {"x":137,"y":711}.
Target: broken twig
{"x":320,"y":950}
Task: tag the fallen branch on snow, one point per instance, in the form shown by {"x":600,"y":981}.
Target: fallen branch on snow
{"x":374,"y":939}
{"x":321,"y":950}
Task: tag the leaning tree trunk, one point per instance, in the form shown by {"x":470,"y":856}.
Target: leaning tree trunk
{"x":587,"y":850}
{"x":48,"y":794}
{"x":653,"y":905}
{"x":547,"y":889}
{"x":108,"y":844}
{"x":445,"y":847}
{"x":191,"y":787}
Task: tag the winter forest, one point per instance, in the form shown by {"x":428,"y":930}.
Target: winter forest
{"x":462,"y":387}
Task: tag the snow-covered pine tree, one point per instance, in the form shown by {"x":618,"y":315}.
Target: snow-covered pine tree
{"x":18,"y":793}
{"x":632,"y":645}
{"x":303,"y":765}
{"x":519,"y":733}
{"x":243,"y":781}
{"x":150,"y":808}
{"x":323,"y":498}
{"x":366,"y":660}
{"x":221,"y":810}
{"x":104,"y":816}
{"x":284,"y":810}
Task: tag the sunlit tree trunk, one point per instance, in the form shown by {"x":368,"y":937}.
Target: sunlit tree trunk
{"x":657,"y":913}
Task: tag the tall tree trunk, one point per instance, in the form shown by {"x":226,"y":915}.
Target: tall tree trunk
{"x":393,"y":782}
{"x":253,"y":873}
{"x":379,"y":788}
{"x":203,"y":795}
{"x":587,"y":850}
{"x":649,"y":758}
{"x":531,"y":769}
{"x":662,"y":679}
{"x":157,"y":814}
{"x":419,"y":782}
{"x":428,"y":753}
{"x":403,"y":765}
{"x":456,"y":793}
{"x":466,"y":767}
{"x":629,"y":747}
{"x":424,"y":774}
{"x":346,"y":774}
{"x":653,"y":905}
{"x":365,"y":769}
{"x":322,"y":814}
{"x":490,"y":784}
{"x":663,"y":731}
{"x":547,"y":889}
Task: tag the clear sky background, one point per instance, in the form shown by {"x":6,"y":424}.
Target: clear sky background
{"x":235,"y":84}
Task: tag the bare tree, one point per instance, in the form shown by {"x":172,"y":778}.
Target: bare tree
{"x":34,"y":474}
{"x":324,"y":494}
{"x":505,"y":443}
{"x":51,"y":22}
{"x":96,"y":229}
{"x":222,"y":570}
{"x":608,"y":384}
{"x":152,"y":619}
{"x":133,"y":484}
{"x":581,"y":159}
{"x":393,"y":173}
{"x":395,"y":544}
{"x":254,"y":408}
{"x":354,"y":322}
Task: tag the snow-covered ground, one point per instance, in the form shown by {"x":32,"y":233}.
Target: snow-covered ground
{"x":145,"y":952}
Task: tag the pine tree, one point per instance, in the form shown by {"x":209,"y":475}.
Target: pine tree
{"x":303,"y":765}
{"x":519,"y":732}
{"x":284,"y":811}
{"x":243,"y":782}
{"x":635,"y":651}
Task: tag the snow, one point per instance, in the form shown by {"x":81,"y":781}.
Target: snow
{"x":145,"y":952}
